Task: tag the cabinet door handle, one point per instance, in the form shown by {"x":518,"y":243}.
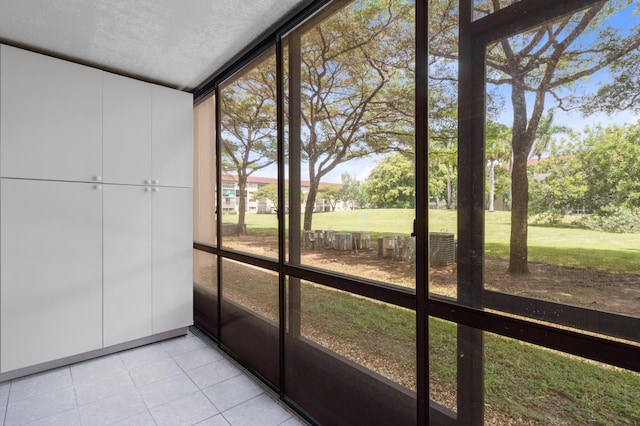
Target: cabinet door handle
{"x":155,"y":182}
{"x":155,"y":189}
{"x":147,"y":189}
{"x":97,"y":178}
{"x":147,"y":182}
{"x":97,"y":187}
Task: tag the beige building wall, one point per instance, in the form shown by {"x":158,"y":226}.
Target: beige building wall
{"x":204,"y":179}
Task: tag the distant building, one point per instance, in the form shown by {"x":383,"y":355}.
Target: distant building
{"x":231,"y":196}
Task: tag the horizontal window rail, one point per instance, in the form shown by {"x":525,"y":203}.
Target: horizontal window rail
{"x":606,"y":323}
{"x":521,"y":16}
{"x":619,"y":354}
{"x":599,"y":349}
{"x":395,"y":295}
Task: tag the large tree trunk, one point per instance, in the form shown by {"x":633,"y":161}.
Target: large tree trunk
{"x":242,"y":205}
{"x":521,"y":141}
{"x":492,"y":168}
{"x":310,"y":205}
{"x":510,"y":182}
{"x":519,"y":214}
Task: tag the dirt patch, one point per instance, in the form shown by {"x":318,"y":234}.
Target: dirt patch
{"x":605,"y":291}
{"x":601,"y":290}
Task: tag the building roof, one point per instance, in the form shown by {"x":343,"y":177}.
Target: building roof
{"x":267,"y":180}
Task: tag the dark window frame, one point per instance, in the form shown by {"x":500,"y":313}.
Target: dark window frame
{"x":468,"y":312}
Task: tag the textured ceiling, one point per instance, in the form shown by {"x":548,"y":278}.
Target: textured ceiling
{"x":178,"y":43}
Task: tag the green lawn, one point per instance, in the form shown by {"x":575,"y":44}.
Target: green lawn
{"x":521,"y":380}
{"x":572,"y":247}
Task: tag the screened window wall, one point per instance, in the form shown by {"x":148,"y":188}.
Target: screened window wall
{"x":413,"y":212}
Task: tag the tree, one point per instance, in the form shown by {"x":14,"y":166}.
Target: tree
{"x":542,"y":62}
{"x":561,"y":189}
{"x":544,"y":134}
{"x":498,"y":150}
{"x":356,"y":87}
{"x":609,"y":157}
{"x":248,"y":127}
{"x":600,"y":174}
{"x":351,"y":191}
{"x":535,"y":65}
{"x":443,"y":132}
{"x":441,"y":182}
{"x":362,"y":196}
{"x":443,"y":164}
{"x":269,"y":192}
{"x":391,"y":184}
{"x":622,"y":93}
{"x":331,"y":194}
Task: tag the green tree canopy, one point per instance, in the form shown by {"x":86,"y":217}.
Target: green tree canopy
{"x":600,"y":174}
{"x":356,"y":87}
{"x":537,"y":65}
{"x":609,"y":156}
{"x":391,"y":184}
{"x":352,"y":191}
{"x":498,"y":151}
{"x":622,"y":92}
{"x":330,"y":193}
{"x":248,"y":126}
{"x":545,"y":134}
{"x":269,"y":192}
{"x":558,"y":189}
{"x":547,"y":61}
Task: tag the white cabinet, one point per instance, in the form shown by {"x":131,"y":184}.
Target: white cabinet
{"x":147,"y":261}
{"x":95,"y":209}
{"x":51,"y":274}
{"x":127,"y":130}
{"x":145,"y":129}
{"x":51,"y":118}
{"x":172,"y":124}
{"x":127,"y":263}
{"x":172,"y":258}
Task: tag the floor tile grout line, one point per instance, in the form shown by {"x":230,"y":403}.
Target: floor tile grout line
{"x":40,"y":395}
{"x":148,"y":345}
{"x":155,"y":381}
{"x":75,"y":393}
{"x":138,"y":414}
{"x":196,"y":385}
{"x":207,"y":343}
{"x":265,"y":389}
{"x":225,"y":419}
{"x":167,"y":402}
{"x":39,"y":374}
{"x":135,"y":386}
{"x":94,"y":380}
{"x":284,"y":421}
{"x":242,"y":370}
{"x":229,"y":379}
{"x":6,"y":407}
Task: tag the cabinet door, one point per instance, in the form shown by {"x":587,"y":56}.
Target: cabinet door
{"x":127,"y":263}
{"x":172,"y":259}
{"x":127,"y":130}
{"x":172,"y":124}
{"x":51,"y":114}
{"x":51,"y":275}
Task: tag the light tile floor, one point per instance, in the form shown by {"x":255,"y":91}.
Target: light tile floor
{"x":182,"y":381}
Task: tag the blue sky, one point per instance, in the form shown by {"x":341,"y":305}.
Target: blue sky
{"x":625,"y":20}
